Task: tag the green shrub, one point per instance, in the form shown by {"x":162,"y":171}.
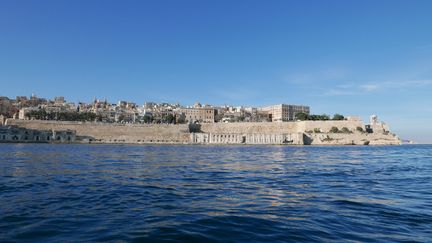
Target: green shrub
{"x":360,"y":129}
{"x":338,"y":117}
{"x":334,"y":130}
{"x":345,"y":130}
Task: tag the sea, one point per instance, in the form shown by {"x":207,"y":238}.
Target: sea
{"x":193,"y":193}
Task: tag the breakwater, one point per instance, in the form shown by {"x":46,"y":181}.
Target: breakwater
{"x":294,"y":133}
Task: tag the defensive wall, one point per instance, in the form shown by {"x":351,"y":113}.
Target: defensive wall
{"x":112,"y":133}
{"x":295,"y":133}
{"x":276,"y":127}
{"x":14,"y":134}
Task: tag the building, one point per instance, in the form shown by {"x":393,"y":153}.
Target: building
{"x":22,"y":115}
{"x":284,"y":112}
{"x":13,"y":134}
{"x":59,"y":100}
{"x":5,"y":105}
{"x":199,"y":114}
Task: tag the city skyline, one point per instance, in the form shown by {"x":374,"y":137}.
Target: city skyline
{"x":351,"y":58}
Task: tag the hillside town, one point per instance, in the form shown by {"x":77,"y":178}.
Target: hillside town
{"x":36,"y":108}
{"x":40,"y":120}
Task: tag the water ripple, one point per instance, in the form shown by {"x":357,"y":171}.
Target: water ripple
{"x":56,"y":193}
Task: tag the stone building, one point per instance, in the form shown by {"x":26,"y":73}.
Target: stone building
{"x":64,"y":136}
{"x":13,"y":134}
{"x":377,"y":126}
{"x":284,"y":112}
{"x":5,"y":105}
{"x":199,"y":114}
{"x":257,"y":138}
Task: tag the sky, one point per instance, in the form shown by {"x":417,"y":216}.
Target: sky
{"x":349,"y":57}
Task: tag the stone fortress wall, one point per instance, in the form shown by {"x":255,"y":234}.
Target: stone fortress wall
{"x":112,"y":133}
{"x":295,"y":133}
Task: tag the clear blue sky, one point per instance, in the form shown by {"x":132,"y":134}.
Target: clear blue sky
{"x":349,"y":57}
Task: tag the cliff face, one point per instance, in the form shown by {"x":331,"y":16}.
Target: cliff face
{"x":295,"y":133}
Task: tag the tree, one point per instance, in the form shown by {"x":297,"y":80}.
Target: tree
{"x":301,"y":116}
{"x":218,"y":117}
{"x":325,"y":117}
{"x":338,"y":117}
{"x":168,"y":118}
{"x":181,"y":119}
{"x":359,"y":129}
{"x":147,"y":119}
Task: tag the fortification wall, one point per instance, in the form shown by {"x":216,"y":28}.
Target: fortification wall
{"x":246,"y":133}
{"x":113,"y":133}
{"x":277,"y":127}
{"x":325,"y":126}
{"x":249,"y":127}
{"x":351,"y":139}
{"x":255,"y":138}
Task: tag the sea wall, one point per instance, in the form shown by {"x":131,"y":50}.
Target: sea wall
{"x":248,"y":138}
{"x":325,"y":126}
{"x":112,"y":133}
{"x":295,"y":133}
{"x":14,"y":134}
{"x":276,"y":127}
{"x":355,"y":138}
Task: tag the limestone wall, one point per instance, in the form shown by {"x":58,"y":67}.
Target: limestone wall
{"x":325,"y":126}
{"x":217,"y":133}
{"x":351,"y":139}
{"x":254,"y":138}
{"x":277,"y":127}
{"x":113,"y":133}
{"x":250,"y":127}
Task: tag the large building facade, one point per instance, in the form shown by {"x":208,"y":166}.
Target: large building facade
{"x":200,"y":114}
{"x":284,"y":112}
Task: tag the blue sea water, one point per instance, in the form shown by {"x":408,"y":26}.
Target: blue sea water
{"x":86,"y":193}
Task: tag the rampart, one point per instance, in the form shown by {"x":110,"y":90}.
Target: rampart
{"x":295,"y":133}
{"x":112,"y":133}
{"x":276,"y":127}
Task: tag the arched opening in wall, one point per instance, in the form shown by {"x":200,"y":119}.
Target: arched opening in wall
{"x":37,"y":138}
{"x":4,"y":137}
{"x":25,"y":138}
{"x":14,"y":138}
{"x":48,"y":138}
{"x":243,"y":139}
{"x":69,"y":138}
{"x":58,"y":138}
